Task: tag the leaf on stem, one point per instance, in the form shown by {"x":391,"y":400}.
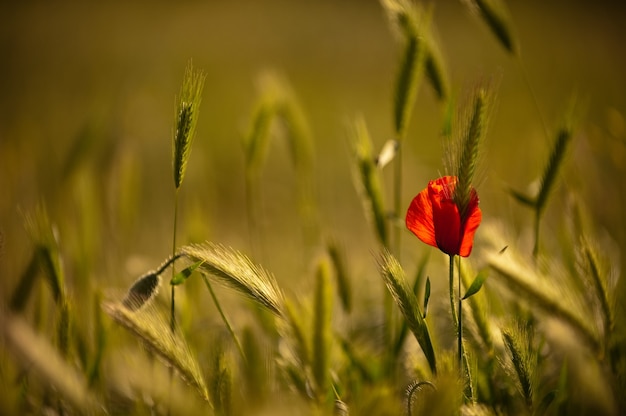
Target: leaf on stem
{"x":477,"y":284}
{"x":184,"y":274}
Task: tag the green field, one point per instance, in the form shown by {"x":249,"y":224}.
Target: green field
{"x":299,"y":230}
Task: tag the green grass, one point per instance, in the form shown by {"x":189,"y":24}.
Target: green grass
{"x":293,"y":296}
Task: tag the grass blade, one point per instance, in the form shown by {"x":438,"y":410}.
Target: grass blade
{"x":35,"y":353}
{"x":530,"y":286}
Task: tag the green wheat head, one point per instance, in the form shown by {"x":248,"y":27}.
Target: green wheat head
{"x":407,"y":302}
{"x":463,"y":156}
{"x":405,"y":19}
{"x":496,"y":16}
{"x":186,"y":119}
{"x":367,"y":178}
{"x":519,"y":344}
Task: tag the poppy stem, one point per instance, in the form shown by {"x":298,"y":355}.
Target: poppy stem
{"x":451,"y":281}
{"x":460,"y":326}
{"x":457,"y":318}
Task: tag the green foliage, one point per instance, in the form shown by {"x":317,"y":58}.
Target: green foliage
{"x":184,"y":274}
{"x":477,"y":283}
{"x":543,"y":335}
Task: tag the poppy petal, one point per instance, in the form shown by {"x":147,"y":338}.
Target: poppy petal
{"x":474,"y":217}
{"x":419,"y":218}
{"x":447,"y":223}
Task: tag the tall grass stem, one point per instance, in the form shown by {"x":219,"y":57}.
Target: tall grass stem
{"x":207,"y":283}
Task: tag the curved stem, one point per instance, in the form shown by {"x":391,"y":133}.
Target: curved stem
{"x":221,"y":312}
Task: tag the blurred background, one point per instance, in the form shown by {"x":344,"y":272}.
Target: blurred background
{"x":87,"y":98}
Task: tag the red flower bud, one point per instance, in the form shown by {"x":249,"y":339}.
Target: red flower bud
{"x":435,"y":218}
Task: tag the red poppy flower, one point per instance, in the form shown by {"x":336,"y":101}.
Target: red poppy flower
{"x":434,"y":218}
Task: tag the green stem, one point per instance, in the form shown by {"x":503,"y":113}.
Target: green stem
{"x":537,"y":221}
{"x":532,"y":94}
{"x":252,"y":203}
{"x":451,"y":286}
{"x":460,"y":325}
{"x":173,"y":299}
{"x":224,"y":319}
{"x":397,"y":205}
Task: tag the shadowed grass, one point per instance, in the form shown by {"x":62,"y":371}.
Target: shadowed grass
{"x":536,"y":290}
{"x":35,"y":353}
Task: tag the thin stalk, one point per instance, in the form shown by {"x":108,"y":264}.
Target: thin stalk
{"x":224,"y":319}
{"x":251,"y":213}
{"x":537,"y":221}
{"x":451,"y":284}
{"x":460,"y":325}
{"x":397,"y":244}
{"x":397,"y":204}
{"x":173,"y":288}
{"x":532,"y":95}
